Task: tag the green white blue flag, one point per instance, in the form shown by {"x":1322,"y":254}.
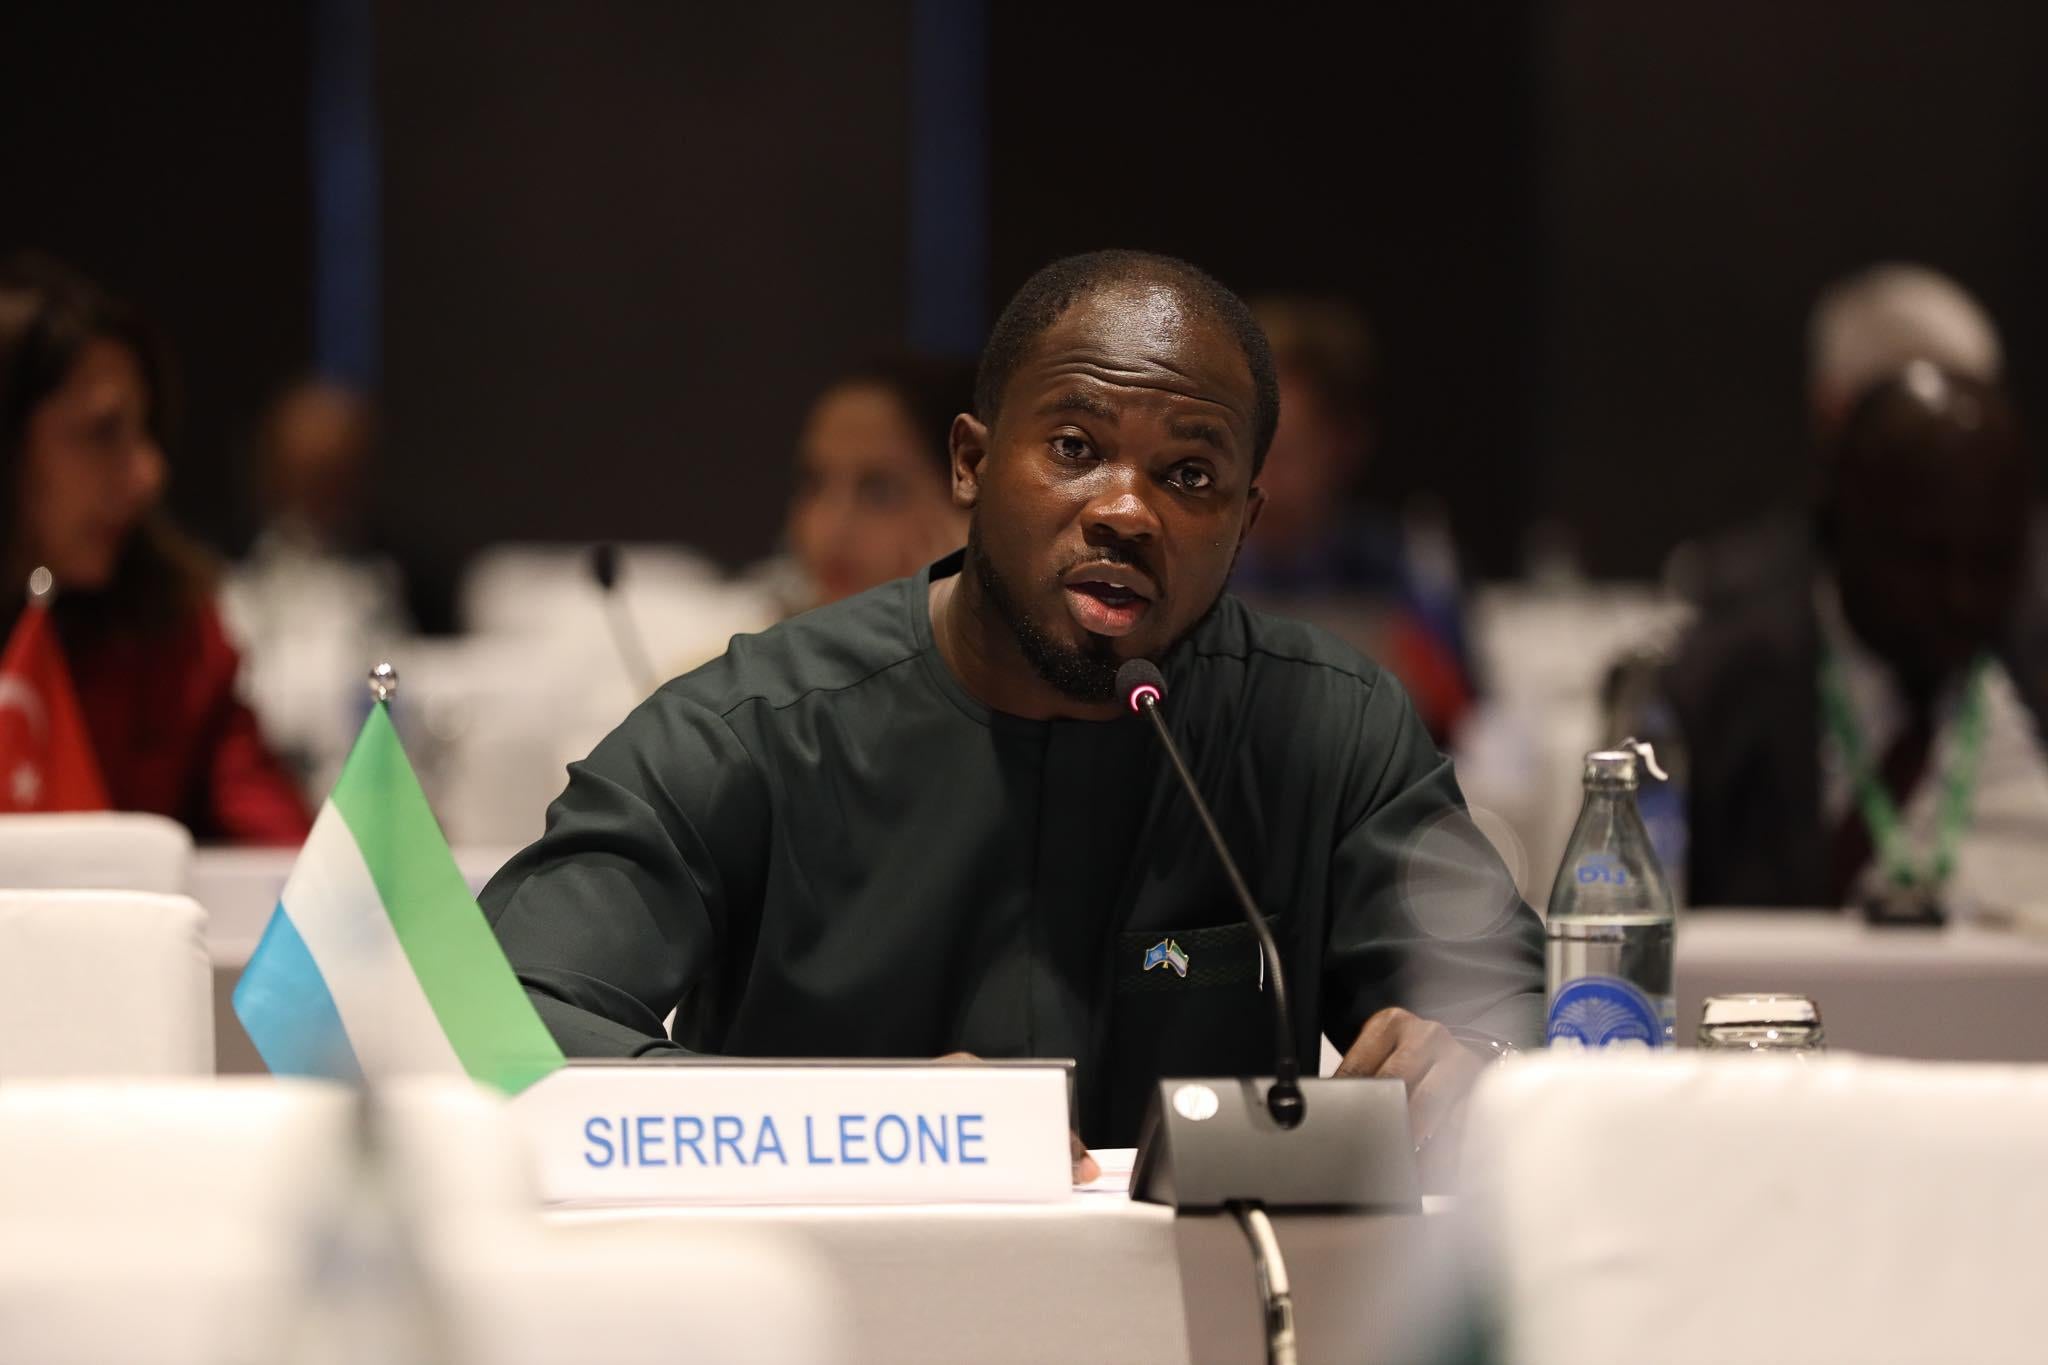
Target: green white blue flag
{"x":377,"y":962}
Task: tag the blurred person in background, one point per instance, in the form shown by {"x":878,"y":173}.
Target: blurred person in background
{"x":82,"y":475}
{"x":874,"y":495}
{"x":1855,"y":728}
{"x":1867,"y":328}
{"x":1315,"y":545}
{"x":315,"y":465}
{"x":1862,"y":330}
{"x":311,"y":603}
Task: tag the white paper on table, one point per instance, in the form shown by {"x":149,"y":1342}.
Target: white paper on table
{"x":1116,"y":1164}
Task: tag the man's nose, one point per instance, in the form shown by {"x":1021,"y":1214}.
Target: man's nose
{"x":1120,"y":512}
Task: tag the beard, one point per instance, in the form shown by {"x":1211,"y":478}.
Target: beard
{"x":1085,"y":675}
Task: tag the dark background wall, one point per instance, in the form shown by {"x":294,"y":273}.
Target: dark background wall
{"x":1391,"y":163}
{"x":164,"y":150}
{"x":622,"y":244}
{"x":1707,"y":170}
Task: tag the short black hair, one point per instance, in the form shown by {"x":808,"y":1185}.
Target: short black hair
{"x":1045,"y":298}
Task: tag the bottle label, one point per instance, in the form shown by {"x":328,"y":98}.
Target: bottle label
{"x":1601,"y":869}
{"x":1600,"y":1011}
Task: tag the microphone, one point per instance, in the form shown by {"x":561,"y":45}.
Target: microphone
{"x":604,"y":565}
{"x":1214,"y":1145}
{"x":1143,"y":687}
{"x":632,"y":651}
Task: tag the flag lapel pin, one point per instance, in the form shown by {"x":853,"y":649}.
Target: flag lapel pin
{"x":1166,"y":953}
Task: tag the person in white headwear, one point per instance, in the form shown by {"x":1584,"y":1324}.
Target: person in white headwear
{"x":1870,"y":326}
{"x":1859,"y":737}
{"x":1863,"y":329}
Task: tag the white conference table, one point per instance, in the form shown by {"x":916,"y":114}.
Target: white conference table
{"x":1102,"y":1278}
{"x":1963,"y":993}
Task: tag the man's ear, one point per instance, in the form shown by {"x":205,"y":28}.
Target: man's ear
{"x":1254,"y":504}
{"x":968,"y":443}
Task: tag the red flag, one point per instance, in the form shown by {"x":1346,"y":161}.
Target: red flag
{"x":46,"y":757}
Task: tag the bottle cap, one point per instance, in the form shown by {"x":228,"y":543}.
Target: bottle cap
{"x":1619,"y":763}
{"x":1611,"y":766}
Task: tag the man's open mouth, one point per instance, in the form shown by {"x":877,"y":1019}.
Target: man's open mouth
{"x":1108,"y":599}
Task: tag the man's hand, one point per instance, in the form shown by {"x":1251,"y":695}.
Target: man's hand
{"x":1085,"y":1166}
{"x":1437,"y":1069}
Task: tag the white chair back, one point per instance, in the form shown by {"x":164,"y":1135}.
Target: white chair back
{"x":638,"y":1293}
{"x":120,"y":850}
{"x":103,"y":983}
{"x":164,"y":1222}
{"x":455,"y":1152}
{"x":175,"y":1223}
{"x":257,"y":1148}
{"x":1694,"y":1207}
{"x":508,"y":1287}
{"x":526,"y":588}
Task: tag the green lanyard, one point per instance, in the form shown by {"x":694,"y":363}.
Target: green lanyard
{"x":1880,"y":812}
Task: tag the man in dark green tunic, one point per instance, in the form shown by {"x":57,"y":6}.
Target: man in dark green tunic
{"x":917,"y":822}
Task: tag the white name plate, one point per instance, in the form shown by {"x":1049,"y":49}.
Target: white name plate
{"x":757,"y":1131}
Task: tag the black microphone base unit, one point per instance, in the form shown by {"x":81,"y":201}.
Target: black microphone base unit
{"x":1211,"y":1143}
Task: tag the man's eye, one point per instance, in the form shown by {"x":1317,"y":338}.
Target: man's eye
{"x":1191,"y":478}
{"x":1071,"y":448}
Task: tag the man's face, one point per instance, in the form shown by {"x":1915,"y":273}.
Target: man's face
{"x":1112,"y":493}
{"x":1929,"y":561}
{"x":319,"y":459}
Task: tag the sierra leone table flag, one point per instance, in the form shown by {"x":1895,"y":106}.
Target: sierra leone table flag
{"x":377,"y":962}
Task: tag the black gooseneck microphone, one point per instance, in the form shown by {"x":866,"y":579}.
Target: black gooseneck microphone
{"x":604,"y":567}
{"x":1142,"y":686}
{"x":1209,"y":1146}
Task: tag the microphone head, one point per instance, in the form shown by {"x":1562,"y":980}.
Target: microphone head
{"x":604,"y":565}
{"x":1140,"y":682}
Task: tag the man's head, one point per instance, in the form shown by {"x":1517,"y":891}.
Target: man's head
{"x":1123,"y":410}
{"x":315,"y":453}
{"x":1868,"y":327}
{"x":1925,"y":519}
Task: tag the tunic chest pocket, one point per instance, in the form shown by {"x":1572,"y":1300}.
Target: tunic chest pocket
{"x":1179,"y":961}
{"x":1190,"y":1002}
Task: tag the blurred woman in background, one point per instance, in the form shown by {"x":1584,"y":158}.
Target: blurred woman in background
{"x":82,"y":476}
{"x":874,"y":498}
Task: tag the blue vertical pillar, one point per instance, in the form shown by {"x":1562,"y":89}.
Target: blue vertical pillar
{"x":347,"y":215}
{"x":948,"y":274}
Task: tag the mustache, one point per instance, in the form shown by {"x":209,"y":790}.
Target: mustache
{"x":1120,"y":555}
